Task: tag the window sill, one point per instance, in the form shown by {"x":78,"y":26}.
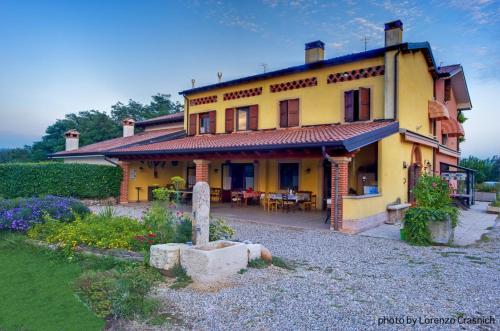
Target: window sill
{"x":364,"y":196}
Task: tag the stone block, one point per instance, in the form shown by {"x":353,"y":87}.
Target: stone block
{"x":441,"y":232}
{"x":254,"y":251}
{"x":165,"y":256}
{"x":214,"y":261}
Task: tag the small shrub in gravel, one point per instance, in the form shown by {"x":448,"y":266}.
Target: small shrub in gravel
{"x":258,"y":264}
{"x":280,"y":263}
{"x":119,"y":292}
{"x":181,"y":277}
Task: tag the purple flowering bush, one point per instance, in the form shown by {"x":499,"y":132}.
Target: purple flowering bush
{"x":21,"y":214}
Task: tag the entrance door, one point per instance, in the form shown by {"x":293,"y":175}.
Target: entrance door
{"x":242,"y":176}
{"x":414,"y":172}
{"x":327,"y":182}
{"x":236,"y":177}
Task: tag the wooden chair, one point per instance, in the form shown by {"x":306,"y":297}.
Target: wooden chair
{"x":263,"y":200}
{"x":236,"y":199}
{"x":272,"y":203}
{"x":313,"y":201}
{"x":287,"y":204}
{"x":216,"y":194}
{"x":306,"y":204}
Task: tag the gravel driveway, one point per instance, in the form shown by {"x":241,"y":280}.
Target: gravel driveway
{"x":346,"y":282}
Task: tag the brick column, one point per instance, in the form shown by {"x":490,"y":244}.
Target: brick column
{"x":340,"y":174}
{"x":124,"y":184}
{"x":202,"y":170}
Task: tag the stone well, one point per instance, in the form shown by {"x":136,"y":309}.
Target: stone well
{"x":214,"y":261}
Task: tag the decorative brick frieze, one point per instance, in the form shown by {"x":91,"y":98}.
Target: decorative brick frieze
{"x":292,"y":85}
{"x":243,"y":93}
{"x":202,"y":101}
{"x":355,"y":74}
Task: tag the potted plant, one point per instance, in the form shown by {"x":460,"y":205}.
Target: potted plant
{"x":494,"y":207}
{"x":434,"y":218}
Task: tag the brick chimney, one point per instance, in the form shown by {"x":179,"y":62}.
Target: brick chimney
{"x":315,"y":51}
{"x":72,"y":137}
{"x":128,"y":127}
{"x":393,"y":33}
{"x":393,"y":36}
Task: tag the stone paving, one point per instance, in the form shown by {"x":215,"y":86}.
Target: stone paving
{"x":472,"y":224}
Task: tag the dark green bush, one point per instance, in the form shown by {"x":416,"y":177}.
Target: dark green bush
{"x":61,"y":179}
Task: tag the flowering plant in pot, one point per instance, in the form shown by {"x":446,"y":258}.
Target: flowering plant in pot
{"x":434,"y":218}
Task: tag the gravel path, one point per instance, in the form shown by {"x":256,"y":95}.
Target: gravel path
{"x":346,"y":282}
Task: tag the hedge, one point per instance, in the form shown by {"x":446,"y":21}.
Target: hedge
{"x":62,"y":179}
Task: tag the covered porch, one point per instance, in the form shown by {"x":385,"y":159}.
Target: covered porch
{"x":321,"y":181}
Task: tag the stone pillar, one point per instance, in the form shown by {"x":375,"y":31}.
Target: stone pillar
{"x":340,"y":174}
{"x":124,"y":184}
{"x":201,"y":213}
{"x":202,"y":170}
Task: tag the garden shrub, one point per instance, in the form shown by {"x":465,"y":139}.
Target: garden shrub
{"x":21,"y":214}
{"x":119,"y":293}
{"x":220,"y":230}
{"x":93,"y":230}
{"x":61,"y":179}
{"x":432,"y":195}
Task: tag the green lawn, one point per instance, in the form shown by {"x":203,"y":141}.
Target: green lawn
{"x":35,"y":290}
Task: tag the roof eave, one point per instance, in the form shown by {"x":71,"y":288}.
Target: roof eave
{"x":348,"y":145}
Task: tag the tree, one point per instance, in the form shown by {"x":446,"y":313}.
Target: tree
{"x":486,"y":170}
{"x":160,"y":105}
{"x":15,"y":155}
{"x":94,"y":126}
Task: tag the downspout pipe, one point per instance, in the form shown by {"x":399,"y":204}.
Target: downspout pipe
{"x":111,"y":161}
{"x":335,"y":199}
{"x":396,"y":84}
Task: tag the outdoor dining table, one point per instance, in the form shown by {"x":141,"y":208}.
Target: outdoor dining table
{"x":297,"y":197}
{"x":250,"y":195}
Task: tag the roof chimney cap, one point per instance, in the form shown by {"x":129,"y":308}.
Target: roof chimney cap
{"x":128,"y":121}
{"x":393,"y":25}
{"x":72,"y":134}
{"x":315,"y":44}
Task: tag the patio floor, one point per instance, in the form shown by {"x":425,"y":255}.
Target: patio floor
{"x":255,"y":214}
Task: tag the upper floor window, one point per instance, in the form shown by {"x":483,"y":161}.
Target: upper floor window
{"x":447,"y":90}
{"x":246,"y":118}
{"x":444,"y":139}
{"x":289,"y":113}
{"x":357,"y":105}
{"x":204,"y":123}
{"x":243,"y":118}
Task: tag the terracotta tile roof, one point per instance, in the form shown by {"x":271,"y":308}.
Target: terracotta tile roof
{"x":349,"y":136}
{"x":452,"y":128}
{"x":170,"y":118}
{"x":103,"y":146}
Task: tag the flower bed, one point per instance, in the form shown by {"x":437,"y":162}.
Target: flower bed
{"x":23,"y":213}
{"x":107,"y":231}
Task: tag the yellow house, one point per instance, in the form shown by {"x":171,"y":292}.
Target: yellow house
{"x":354,"y":132}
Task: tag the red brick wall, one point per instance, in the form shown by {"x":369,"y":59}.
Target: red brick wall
{"x":342,"y":190}
{"x":202,"y":170}
{"x":124,"y":183}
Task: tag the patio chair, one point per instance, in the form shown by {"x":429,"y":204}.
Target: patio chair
{"x":287,"y":204}
{"x":272,"y":203}
{"x":215,"y":194}
{"x":236,"y":198}
{"x":306,"y":204}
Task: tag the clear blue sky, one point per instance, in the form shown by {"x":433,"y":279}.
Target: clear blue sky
{"x":58,"y":57}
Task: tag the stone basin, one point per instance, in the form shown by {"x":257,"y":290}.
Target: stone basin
{"x":215,"y":261}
